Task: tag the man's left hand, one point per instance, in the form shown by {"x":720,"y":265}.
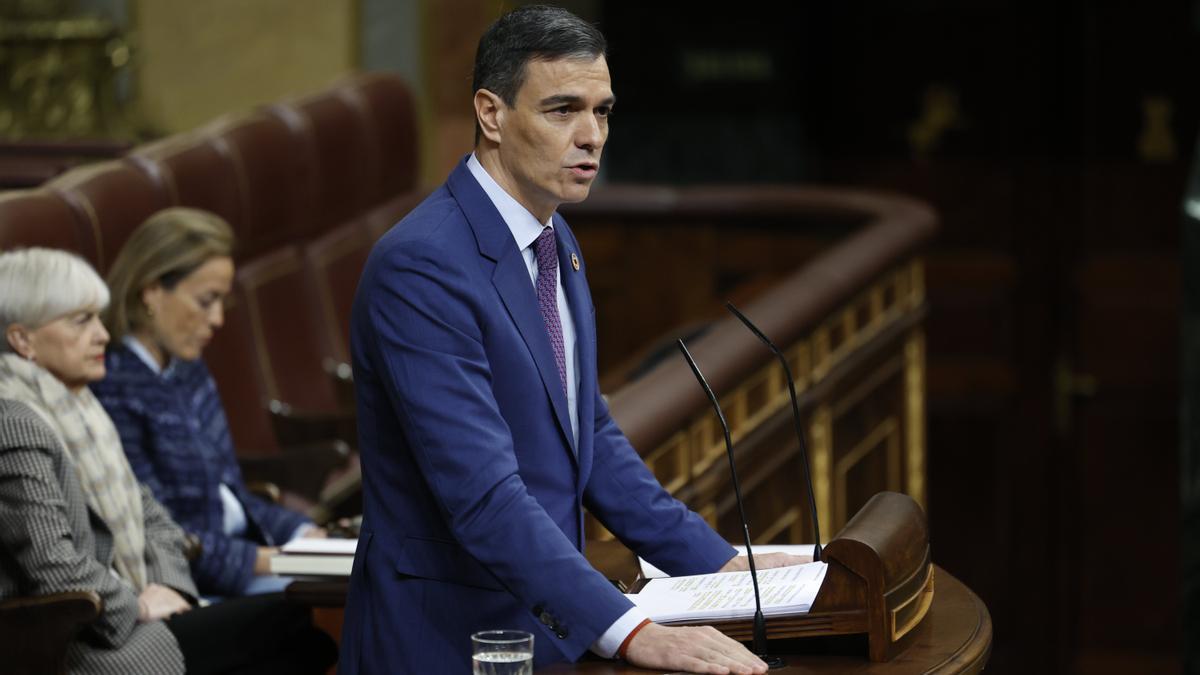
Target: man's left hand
{"x":764,"y":561}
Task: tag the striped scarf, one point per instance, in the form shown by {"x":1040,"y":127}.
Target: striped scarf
{"x":91,"y":439}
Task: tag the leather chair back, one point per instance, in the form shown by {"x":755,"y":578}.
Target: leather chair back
{"x":388,"y":104}
{"x":110,"y":199}
{"x":285,"y":318}
{"x":232,"y":358}
{"x":334,"y":263}
{"x":346,"y":154}
{"x":274,"y":167}
{"x":192,"y":172}
{"x":42,"y":218}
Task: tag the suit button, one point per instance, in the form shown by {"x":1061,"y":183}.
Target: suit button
{"x":537,"y":610}
{"x":546,"y":618}
{"x":561,"y":633}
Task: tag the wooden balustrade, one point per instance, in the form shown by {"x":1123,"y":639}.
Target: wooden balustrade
{"x":848,"y":315}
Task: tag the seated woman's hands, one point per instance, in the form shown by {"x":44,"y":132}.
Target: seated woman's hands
{"x":159,"y":602}
{"x":314,"y":532}
{"x":262,"y":563}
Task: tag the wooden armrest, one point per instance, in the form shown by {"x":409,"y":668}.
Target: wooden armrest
{"x":37,"y":629}
{"x":82,"y":606}
{"x":294,"y":427}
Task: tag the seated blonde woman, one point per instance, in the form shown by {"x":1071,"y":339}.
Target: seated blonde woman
{"x":74,"y":517}
{"x":169,"y":284}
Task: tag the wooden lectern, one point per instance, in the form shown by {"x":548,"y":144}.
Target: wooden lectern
{"x":879,"y":581}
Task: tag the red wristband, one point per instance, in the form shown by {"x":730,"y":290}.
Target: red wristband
{"x":629,"y":638}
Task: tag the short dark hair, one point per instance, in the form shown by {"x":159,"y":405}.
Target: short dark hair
{"x":523,"y":35}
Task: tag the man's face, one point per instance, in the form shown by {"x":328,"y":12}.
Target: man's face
{"x":551,"y":138}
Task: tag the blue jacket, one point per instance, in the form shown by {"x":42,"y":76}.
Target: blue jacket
{"x":176,"y":437}
{"x":474,"y":491}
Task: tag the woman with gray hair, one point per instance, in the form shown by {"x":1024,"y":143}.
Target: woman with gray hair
{"x":74,"y":517}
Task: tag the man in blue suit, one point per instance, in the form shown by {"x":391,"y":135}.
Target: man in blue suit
{"x":483,"y":433}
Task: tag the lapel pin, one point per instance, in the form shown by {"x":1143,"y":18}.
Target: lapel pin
{"x":575,"y":261}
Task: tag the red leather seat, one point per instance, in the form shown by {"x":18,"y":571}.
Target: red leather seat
{"x":43,"y":218}
{"x":274,"y":167}
{"x":232,"y":358}
{"x":388,"y":104}
{"x":284,"y":314}
{"x":347,"y":155}
{"x":111,"y":199}
{"x":335,"y":262}
{"x":192,"y":172}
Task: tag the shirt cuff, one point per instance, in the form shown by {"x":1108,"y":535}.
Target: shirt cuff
{"x":607,"y":644}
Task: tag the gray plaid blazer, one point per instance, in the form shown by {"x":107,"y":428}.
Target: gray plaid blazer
{"x":51,"y":542}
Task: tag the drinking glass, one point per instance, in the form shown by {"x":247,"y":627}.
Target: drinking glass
{"x":502,"y":652}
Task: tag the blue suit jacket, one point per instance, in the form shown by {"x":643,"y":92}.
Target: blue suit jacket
{"x":474,"y":490}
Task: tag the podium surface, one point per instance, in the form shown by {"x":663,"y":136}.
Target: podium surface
{"x":954,"y":637}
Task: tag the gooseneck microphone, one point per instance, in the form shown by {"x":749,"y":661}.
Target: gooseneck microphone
{"x":760,"y":623}
{"x":812,"y":500}
{"x":796,"y":419}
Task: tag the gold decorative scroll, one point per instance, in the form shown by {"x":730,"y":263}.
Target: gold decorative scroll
{"x":58,"y":79}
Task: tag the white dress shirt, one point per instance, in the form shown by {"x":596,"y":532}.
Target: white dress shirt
{"x":525,"y":230}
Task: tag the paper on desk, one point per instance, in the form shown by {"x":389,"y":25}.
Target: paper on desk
{"x":651,"y":572}
{"x":328,"y":546}
{"x":786,"y":591}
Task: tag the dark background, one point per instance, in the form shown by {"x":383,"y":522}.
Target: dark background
{"x":1055,"y":140}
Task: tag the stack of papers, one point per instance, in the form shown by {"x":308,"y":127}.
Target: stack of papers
{"x":786,"y":591}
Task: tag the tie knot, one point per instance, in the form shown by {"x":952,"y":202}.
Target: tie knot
{"x":546,"y":252}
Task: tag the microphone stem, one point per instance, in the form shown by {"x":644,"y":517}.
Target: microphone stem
{"x":787,"y":371}
{"x":760,"y":622}
{"x":760,"y":634}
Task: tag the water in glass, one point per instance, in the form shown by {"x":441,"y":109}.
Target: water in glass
{"x":503,"y":663}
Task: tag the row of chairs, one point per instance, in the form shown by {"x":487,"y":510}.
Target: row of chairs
{"x":308,"y":185}
{"x":287,"y":324}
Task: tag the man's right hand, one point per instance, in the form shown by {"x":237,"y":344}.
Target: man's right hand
{"x":696,"y":649}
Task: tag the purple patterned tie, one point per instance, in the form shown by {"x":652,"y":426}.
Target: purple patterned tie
{"x":547,"y":295}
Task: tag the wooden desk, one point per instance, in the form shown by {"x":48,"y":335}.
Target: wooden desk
{"x":955,"y":637}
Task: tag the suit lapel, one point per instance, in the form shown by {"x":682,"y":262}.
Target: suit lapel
{"x":511,"y":280}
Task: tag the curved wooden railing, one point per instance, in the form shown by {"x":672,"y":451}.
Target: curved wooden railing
{"x":849,"y":321}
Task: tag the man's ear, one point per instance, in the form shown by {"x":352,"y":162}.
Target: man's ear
{"x":21,"y":341}
{"x":489,"y":111}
